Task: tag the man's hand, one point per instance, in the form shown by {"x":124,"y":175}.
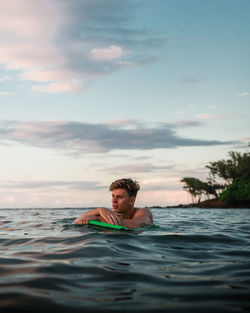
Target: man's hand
{"x":110,"y":216}
{"x":83,"y":219}
{"x":100,"y":214}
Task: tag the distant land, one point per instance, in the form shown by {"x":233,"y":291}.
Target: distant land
{"x":209,"y":204}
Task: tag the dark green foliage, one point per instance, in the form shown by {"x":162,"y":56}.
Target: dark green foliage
{"x":237,"y":166}
{"x":197,"y":187}
{"x":238,"y":191}
{"x":235,"y":171}
{"x":192,"y":185}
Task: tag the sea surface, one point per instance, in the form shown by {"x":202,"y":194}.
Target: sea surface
{"x":192,"y":260}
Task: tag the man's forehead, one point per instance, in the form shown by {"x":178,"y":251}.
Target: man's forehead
{"x":119,"y":191}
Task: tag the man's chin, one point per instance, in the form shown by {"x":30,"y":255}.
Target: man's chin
{"x":116,"y":210}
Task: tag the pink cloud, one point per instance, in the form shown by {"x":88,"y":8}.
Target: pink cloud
{"x":28,"y":19}
{"x":108,"y":53}
{"x":205,"y":116}
{"x":56,"y":41}
{"x":70,"y":86}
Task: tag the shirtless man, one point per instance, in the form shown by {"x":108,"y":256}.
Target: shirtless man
{"x":124,"y":213}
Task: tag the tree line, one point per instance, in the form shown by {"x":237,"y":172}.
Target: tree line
{"x":234,"y":180}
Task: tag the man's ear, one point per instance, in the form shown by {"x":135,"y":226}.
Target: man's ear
{"x":132,"y":200}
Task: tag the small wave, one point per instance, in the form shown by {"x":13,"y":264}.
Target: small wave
{"x":186,"y":262}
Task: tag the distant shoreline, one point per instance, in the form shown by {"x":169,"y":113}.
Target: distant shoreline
{"x":209,"y":204}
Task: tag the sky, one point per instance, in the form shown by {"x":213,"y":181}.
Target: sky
{"x":96,"y":90}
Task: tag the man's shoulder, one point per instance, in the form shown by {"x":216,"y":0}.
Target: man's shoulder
{"x":142,"y":211}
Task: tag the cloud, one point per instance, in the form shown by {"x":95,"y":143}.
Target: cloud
{"x":126,"y":123}
{"x":244,"y":94}
{"x":138,"y":168}
{"x":4,"y":78}
{"x":109,"y":53}
{"x":205,"y":116}
{"x":186,"y":123}
{"x":190,"y":79}
{"x":179,"y":112}
{"x":167,"y":186}
{"x":70,"y":86}
{"x":79,"y":138}
{"x":18,"y":18}
{"x":4,"y":93}
{"x":78,"y":185}
{"x":55,"y":44}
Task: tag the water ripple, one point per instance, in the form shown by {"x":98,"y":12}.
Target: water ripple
{"x":192,"y":260}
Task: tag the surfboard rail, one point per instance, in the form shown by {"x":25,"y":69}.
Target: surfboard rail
{"x":106,"y":225}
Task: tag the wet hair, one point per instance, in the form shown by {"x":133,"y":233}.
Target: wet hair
{"x":126,"y":183}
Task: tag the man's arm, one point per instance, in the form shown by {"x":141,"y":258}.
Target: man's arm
{"x":142,"y":217}
{"x":99,"y":214}
{"x":87,"y":216}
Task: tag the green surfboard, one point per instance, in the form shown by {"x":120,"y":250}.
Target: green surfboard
{"x":106,"y":225}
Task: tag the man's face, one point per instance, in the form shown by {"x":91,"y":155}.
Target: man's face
{"x":121,"y":201}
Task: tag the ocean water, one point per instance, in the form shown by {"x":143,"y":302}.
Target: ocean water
{"x":192,"y":260}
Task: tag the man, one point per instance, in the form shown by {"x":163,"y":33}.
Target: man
{"x":124,"y":192}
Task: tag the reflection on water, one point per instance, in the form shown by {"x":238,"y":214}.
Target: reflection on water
{"x":193,"y":260}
